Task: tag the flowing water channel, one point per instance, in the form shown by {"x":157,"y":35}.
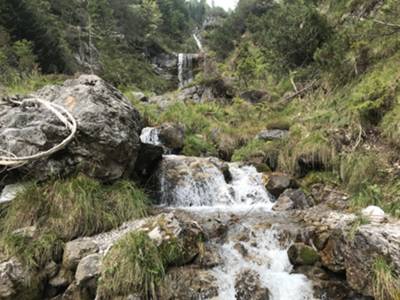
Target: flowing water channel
{"x":210,"y":187}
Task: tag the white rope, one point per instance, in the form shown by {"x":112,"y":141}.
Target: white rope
{"x":62,"y":114}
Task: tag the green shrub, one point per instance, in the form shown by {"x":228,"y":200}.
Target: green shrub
{"x":290,"y":33}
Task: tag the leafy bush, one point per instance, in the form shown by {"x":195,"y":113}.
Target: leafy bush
{"x":290,"y":33}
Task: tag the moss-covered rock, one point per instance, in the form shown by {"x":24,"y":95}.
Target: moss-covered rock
{"x":301,"y":254}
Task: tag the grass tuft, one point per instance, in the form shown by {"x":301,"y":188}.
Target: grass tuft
{"x":136,"y":265}
{"x":386,"y":282}
{"x":62,"y":210}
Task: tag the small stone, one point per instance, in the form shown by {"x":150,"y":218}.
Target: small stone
{"x":278,"y":183}
{"x":374,"y":214}
{"x":74,"y":251}
{"x":87,"y":269}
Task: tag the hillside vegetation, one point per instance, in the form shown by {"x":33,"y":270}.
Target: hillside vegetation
{"x":331,"y":72}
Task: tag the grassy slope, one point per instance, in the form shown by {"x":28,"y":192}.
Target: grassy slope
{"x":349,"y":128}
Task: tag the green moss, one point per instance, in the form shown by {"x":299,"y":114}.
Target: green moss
{"x":308,"y":255}
{"x":386,"y":282}
{"x":62,"y":210}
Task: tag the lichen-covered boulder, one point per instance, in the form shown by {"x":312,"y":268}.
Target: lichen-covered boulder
{"x":107,"y":140}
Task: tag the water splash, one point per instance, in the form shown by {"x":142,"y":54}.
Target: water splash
{"x":265,"y":256}
{"x":150,"y":135}
{"x":208,"y":182}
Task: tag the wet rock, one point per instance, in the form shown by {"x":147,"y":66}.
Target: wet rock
{"x":255,"y":96}
{"x":188,"y":283}
{"x":327,"y":285}
{"x":248,"y":287}
{"x":88,"y":269}
{"x":219,"y":90}
{"x":272,"y":134}
{"x":169,"y":226}
{"x":301,"y":254}
{"x":210,"y":257}
{"x":148,"y":159}
{"x":172,"y":136}
{"x":278,"y":183}
{"x":332,"y":256}
{"x":75,"y":250}
{"x":106,"y":144}
{"x":292,"y":199}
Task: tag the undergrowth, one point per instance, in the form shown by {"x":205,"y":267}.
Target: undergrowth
{"x":62,"y":210}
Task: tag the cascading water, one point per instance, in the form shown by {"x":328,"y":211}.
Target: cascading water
{"x":198,"y":42}
{"x":150,"y":135}
{"x":209,"y":187}
{"x":185,"y":64}
{"x":200,"y":182}
{"x":185,"y":69}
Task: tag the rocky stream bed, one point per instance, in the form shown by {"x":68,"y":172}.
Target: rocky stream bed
{"x":262,"y":237}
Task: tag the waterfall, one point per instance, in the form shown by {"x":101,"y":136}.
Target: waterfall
{"x":267,"y":259}
{"x":185,"y":69}
{"x":207,"y":182}
{"x":198,"y":42}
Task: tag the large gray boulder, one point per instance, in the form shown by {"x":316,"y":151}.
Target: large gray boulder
{"x":107,"y":141}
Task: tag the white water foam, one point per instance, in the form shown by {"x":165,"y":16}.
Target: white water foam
{"x":185,"y":69}
{"x":150,"y":135}
{"x":190,"y":182}
{"x":207,"y":185}
{"x":269,"y":260}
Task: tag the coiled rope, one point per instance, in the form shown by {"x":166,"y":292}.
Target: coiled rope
{"x":11,"y":160}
